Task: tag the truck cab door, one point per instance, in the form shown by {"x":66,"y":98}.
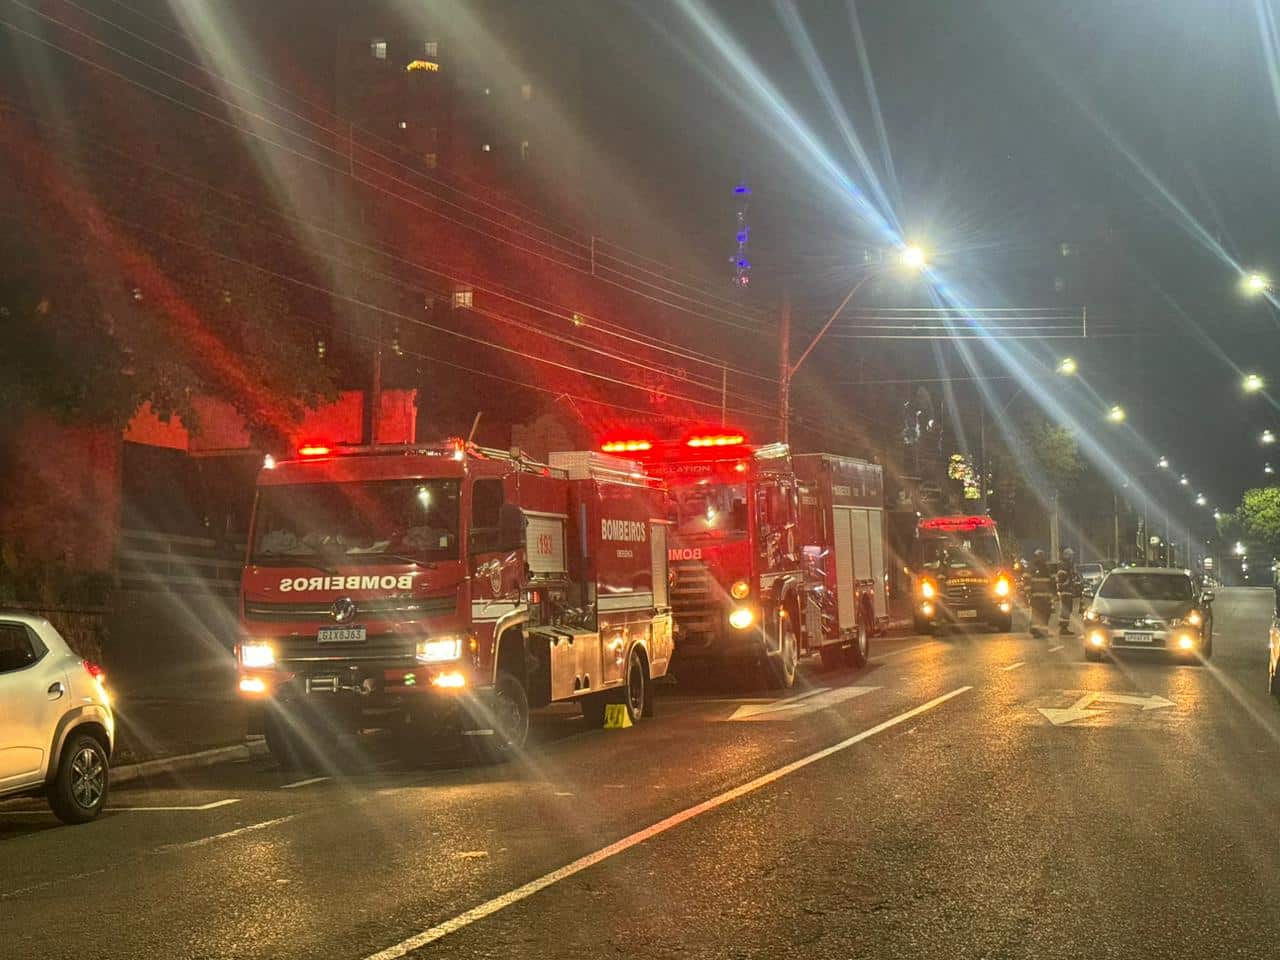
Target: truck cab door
{"x":776,"y":528}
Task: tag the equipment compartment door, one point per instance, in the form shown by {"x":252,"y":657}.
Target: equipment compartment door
{"x":842,"y":543}
{"x":876,"y":520}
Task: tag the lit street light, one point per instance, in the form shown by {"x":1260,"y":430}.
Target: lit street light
{"x":1217,"y":514}
{"x":1255,"y":284}
{"x":1183,"y":480}
{"x":913,"y":257}
{"x":1116,"y":414}
{"x":1268,"y":469}
{"x":1200,"y":500}
{"x":1068,"y":367}
{"x":1252,"y":383}
{"x":1267,"y":437}
{"x":1238,"y":549}
{"x":1163,"y":463}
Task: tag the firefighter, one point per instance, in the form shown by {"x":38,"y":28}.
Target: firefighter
{"x":1068,"y":583}
{"x":1040,"y":593}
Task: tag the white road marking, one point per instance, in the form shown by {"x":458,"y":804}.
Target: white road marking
{"x":1080,"y":709}
{"x":203,"y":806}
{"x":1013,"y":666}
{"x":1055,"y":649}
{"x":799,"y":706}
{"x":490,"y":907}
{"x":563,"y":793}
{"x":224,"y":836}
{"x":898,"y":653}
{"x":303,"y":783}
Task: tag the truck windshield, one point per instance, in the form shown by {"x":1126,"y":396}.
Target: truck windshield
{"x":959,"y":552}
{"x":383,"y":520}
{"x":711,"y":509}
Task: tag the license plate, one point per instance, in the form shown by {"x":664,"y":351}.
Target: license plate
{"x":341,"y":635}
{"x":967,"y":614}
{"x":1137,"y":638}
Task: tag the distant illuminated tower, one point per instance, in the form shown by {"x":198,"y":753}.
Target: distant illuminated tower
{"x":741,"y":265}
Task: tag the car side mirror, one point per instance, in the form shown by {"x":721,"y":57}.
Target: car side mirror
{"x":511,"y":525}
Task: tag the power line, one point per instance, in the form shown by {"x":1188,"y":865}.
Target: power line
{"x":326,"y":148}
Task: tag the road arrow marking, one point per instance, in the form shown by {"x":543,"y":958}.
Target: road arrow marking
{"x":1080,"y":709}
{"x":806,"y":703}
{"x":1013,"y":666}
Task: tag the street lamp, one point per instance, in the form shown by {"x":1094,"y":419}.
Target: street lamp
{"x":1183,"y":480}
{"x":1163,"y":463}
{"x":1116,"y":414}
{"x":1255,"y":284}
{"x":911,"y":256}
{"x":1200,"y":500}
{"x":1238,"y":549}
{"x":1267,"y":437}
{"x":1068,"y":367}
{"x":1217,"y":514}
{"x":1268,"y":469}
{"x":1252,"y":383}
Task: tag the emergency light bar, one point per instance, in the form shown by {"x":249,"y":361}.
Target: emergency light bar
{"x":956,"y":523}
{"x":626,"y":446}
{"x":718,"y":440}
{"x":313,"y":450}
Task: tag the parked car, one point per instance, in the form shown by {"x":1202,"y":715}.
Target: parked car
{"x":1149,"y":608}
{"x":1273,"y":644}
{"x":56,"y":724}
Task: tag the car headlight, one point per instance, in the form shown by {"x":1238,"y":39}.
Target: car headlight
{"x":1091,"y":615}
{"x":740,"y":590}
{"x":742,"y":618}
{"x":927,"y":589}
{"x":1001,"y":588}
{"x":439,"y":649}
{"x":256,"y":655}
{"x":1194,"y":618}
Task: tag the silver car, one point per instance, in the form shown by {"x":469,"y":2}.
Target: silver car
{"x":1151,"y":609}
{"x":56,"y":724}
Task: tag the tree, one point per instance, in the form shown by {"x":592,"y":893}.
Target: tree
{"x":1258,"y":518}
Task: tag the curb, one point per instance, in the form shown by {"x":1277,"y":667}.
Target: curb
{"x":253,"y":747}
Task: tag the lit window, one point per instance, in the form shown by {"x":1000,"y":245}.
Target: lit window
{"x":431,"y":160}
{"x":379,"y":49}
{"x":404,"y":125}
{"x":431,"y":48}
{"x":1066,"y":249}
{"x":487,"y":91}
{"x":462,"y":298}
{"x":486,"y":148}
{"x":524,"y":149}
{"x":526,"y":91}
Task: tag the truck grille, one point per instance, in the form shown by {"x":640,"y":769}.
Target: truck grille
{"x":387,"y":647}
{"x":695,"y":597}
{"x":964,"y":593}
{"x":381,"y":608}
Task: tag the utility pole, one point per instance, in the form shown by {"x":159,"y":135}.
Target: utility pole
{"x":373,"y":398}
{"x":784,"y":369}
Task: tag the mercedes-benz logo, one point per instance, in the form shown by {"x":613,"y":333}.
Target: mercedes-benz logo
{"x":342,"y":609}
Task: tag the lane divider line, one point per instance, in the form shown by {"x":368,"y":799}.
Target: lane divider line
{"x":1013,"y":666}
{"x":203,"y":806}
{"x":304,"y":783}
{"x":490,"y":907}
{"x":1055,"y":649}
{"x":897,"y":653}
{"x":224,"y":836}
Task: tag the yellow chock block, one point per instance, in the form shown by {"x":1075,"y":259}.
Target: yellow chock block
{"x":616,"y":716}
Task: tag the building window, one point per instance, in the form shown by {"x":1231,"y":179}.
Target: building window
{"x":431,"y":48}
{"x":404,"y":124}
{"x":526,"y":91}
{"x":431,"y":160}
{"x":462,"y":298}
{"x":379,"y":49}
{"x":486,"y":148}
{"x":524,"y":149}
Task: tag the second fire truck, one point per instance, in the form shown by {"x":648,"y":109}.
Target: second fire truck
{"x":773,"y":556}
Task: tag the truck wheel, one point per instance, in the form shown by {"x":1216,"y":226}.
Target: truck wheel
{"x":858,"y":652}
{"x":781,"y":669}
{"x":593,"y":709}
{"x":922,"y":627}
{"x":637,"y":691}
{"x":79,"y":789}
{"x":508,"y":719}
{"x":1003,"y":624}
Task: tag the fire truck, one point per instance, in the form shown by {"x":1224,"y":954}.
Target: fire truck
{"x":959,"y":574}
{"x":773,"y":557}
{"x":449,"y":587}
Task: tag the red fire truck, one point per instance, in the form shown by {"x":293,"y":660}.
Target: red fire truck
{"x":449,"y":587}
{"x":762,"y":550}
{"x":959,"y":574}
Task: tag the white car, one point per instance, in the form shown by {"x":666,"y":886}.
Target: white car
{"x":56,"y":724}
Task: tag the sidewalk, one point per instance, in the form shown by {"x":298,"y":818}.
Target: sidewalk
{"x":149,"y":728}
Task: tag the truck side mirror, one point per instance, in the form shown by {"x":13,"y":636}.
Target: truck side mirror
{"x":511,"y":524}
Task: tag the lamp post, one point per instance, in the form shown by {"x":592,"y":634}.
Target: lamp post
{"x":912,"y":257}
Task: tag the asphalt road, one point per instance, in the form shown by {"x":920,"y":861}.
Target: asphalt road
{"x":922,"y":807}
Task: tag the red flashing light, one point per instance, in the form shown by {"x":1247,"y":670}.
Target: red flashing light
{"x":626,"y":446}
{"x":717,"y":440}
{"x":313,"y":450}
{"x":957,"y":523}
{"x":93,"y":669}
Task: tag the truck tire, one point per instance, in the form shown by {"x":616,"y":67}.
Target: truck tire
{"x":593,"y":709}
{"x":508,"y":719}
{"x":833,"y":656}
{"x":78,"y":790}
{"x":859,"y":651}
{"x":637,"y":690}
{"x":922,"y":627}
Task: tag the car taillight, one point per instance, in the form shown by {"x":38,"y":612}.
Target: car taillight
{"x":93,"y":669}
